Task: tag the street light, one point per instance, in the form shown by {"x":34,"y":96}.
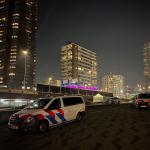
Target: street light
{"x":85,"y":88}
{"x":25,"y":67}
{"x":49,"y":81}
{"x":60,"y":87}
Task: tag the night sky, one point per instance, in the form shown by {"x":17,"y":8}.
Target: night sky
{"x":115,"y":29}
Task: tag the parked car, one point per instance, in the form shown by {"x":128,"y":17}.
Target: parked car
{"x":132,"y":100}
{"x":48,"y":112}
{"x":112,"y":100}
{"x":142,"y":100}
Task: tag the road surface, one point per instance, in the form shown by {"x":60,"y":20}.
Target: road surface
{"x":118,"y":127}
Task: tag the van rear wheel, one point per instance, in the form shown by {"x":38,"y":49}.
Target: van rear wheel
{"x":137,"y":107}
{"x":43,"y":127}
{"x":79,"y":117}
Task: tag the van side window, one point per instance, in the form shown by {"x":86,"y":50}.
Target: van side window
{"x":68,"y":101}
{"x":56,"y":104}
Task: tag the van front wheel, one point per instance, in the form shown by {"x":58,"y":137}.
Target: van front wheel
{"x":79,"y":117}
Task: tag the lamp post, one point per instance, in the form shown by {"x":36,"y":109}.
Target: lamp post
{"x":25,"y":67}
{"x":49,"y":81}
{"x":60,"y":87}
{"x":85,"y":89}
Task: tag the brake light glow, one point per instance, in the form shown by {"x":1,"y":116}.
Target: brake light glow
{"x":139,"y":101}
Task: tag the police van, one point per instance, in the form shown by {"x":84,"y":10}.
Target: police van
{"x":48,"y":112}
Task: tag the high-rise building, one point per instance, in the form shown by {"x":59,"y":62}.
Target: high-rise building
{"x":79,"y":65}
{"x":18,"y":27}
{"x":147,"y":65}
{"x":131,"y":92}
{"x":113,"y":84}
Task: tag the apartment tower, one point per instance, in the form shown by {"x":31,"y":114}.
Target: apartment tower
{"x":78,"y":64}
{"x":18,"y":28}
{"x":114,"y":84}
{"x":147,"y":66}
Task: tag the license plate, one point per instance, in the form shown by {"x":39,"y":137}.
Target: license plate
{"x":143,"y":106}
{"x":13,"y":127}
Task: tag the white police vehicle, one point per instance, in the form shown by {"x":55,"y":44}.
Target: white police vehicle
{"x":48,"y":112}
{"x":142,"y":100}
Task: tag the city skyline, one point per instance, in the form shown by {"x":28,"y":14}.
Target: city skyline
{"x":116,"y":31}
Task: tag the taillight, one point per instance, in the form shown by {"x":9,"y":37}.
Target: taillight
{"x":139,"y":101}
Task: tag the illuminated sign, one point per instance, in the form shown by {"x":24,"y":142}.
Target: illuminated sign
{"x":91,"y":88}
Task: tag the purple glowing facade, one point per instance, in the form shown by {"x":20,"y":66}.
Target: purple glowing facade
{"x":91,"y":88}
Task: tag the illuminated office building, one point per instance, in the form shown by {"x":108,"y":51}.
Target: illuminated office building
{"x":113,"y":84}
{"x":78,"y":65}
{"x":18,"y":27}
{"x":147,"y":65}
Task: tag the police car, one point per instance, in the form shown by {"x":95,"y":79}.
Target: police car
{"x":142,"y":100}
{"x":48,"y":112}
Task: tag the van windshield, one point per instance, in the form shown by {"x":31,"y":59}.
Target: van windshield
{"x":39,"y":104}
{"x":144,"y":95}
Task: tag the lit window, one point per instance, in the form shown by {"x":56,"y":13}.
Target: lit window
{"x":1,"y":67}
{"x":14,"y":37}
{"x":15,"y":27}
{"x":11,"y":74}
{"x":28,"y":31}
{"x":13,"y":46}
{"x":2,"y":1}
{"x":27,"y":18}
{"x":14,"y":53}
{"x":13,"y":50}
{"x":2,"y":7}
{"x":1,"y":25}
{"x":15,"y":24}
{"x":12,"y":60}
{"x":29,"y":3}
{"x":3,"y":19}
{"x":15,"y":14}
{"x":1,"y":78}
{"x":12,"y":67}
{"x":12,"y":56}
